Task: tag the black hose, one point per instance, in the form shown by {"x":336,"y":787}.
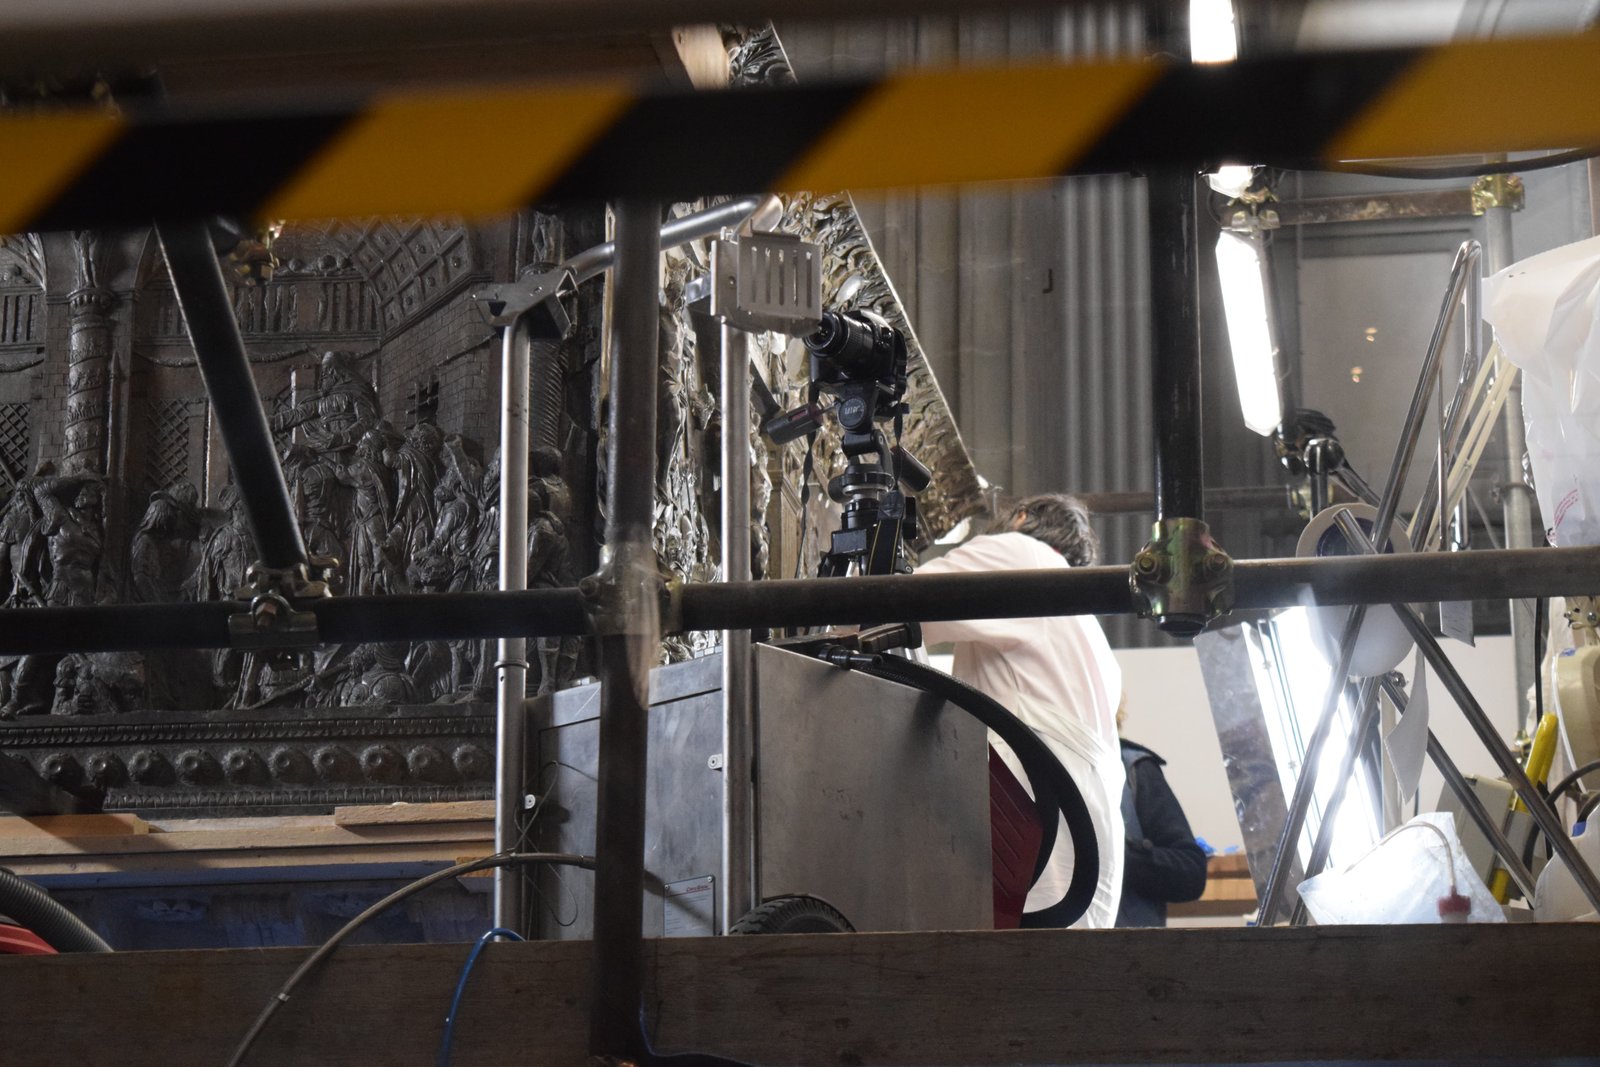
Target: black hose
{"x":323,"y":951}
{"x":35,"y":910}
{"x":1572,"y":779}
{"x":1469,"y":170}
{"x":1053,"y":788}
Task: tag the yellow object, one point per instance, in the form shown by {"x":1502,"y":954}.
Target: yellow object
{"x":1452,"y":96}
{"x":483,"y":150}
{"x":1541,"y":757}
{"x":470,"y":153}
{"x":44,"y":154}
{"x":968,"y":125}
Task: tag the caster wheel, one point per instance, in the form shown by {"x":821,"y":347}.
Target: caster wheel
{"x":793,"y":915}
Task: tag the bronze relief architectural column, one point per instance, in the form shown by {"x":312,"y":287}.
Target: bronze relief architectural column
{"x":88,"y":361}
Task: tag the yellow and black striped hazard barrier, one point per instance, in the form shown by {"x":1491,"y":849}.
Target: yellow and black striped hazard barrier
{"x":486,"y":151}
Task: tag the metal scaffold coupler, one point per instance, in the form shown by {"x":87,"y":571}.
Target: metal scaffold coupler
{"x":628,"y":594}
{"x":1504,"y":191}
{"x":278,"y":597}
{"x":1182,"y":578}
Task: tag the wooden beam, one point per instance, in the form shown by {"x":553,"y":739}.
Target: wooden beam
{"x":369,"y":36}
{"x":1017,"y":997}
{"x":246,"y":77}
{"x":414,"y":814}
{"x":693,"y":57}
{"x":1229,"y":891}
{"x":104,"y":844}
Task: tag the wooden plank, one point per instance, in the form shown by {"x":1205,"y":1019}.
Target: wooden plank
{"x":692,"y":57}
{"x":19,"y":828}
{"x":414,"y":814}
{"x":1017,"y":997}
{"x":1212,"y":908}
{"x":441,"y":852}
{"x":1232,"y":889}
{"x":1234,"y":864}
{"x":112,"y":34}
{"x":1235,"y":890}
{"x":243,"y":840}
{"x":101,"y":844}
{"x":1229,"y":891}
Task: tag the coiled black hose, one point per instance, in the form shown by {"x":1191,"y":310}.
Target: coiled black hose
{"x":1053,"y":788}
{"x":35,"y":910}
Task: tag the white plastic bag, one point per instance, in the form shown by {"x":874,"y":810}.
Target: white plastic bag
{"x":1545,"y":312}
{"x":1402,"y":880}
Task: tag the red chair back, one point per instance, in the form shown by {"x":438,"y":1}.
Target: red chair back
{"x":1015,"y":835}
{"x":15,"y":941}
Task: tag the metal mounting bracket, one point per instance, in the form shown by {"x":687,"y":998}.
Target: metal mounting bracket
{"x":542,"y":297}
{"x":277,"y":617}
{"x":766,"y":281}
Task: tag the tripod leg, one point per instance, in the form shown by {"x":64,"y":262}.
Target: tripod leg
{"x":833,"y":566}
{"x":884,"y":549}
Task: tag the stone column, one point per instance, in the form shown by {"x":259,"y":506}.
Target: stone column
{"x":88,"y":362}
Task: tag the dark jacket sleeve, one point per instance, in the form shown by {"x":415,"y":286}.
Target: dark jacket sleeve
{"x":1166,"y":865}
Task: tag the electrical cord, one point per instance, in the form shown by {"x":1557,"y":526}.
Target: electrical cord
{"x":1588,"y":807}
{"x":1453,"y":908}
{"x":1572,"y":779}
{"x":1473,"y":170}
{"x":545,"y":790}
{"x":461,"y":988}
{"x":312,"y":962}
{"x":1449,"y":853}
{"x":652,"y":1058}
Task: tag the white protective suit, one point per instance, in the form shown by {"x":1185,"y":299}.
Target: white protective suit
{"x":1057,"y":675}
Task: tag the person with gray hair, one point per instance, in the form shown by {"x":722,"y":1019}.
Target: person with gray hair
{"x":1056,"y":674}
{"x":1059,"y":520}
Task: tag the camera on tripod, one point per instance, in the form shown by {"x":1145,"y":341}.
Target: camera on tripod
{"x":858,"y":361}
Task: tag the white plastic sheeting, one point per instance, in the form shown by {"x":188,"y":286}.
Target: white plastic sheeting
{"x":1546,"y":316}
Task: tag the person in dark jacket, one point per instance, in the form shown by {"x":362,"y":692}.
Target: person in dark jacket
{"x":1163,"y":865}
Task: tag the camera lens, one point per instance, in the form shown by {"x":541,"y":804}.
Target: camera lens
{"x":850,"y":342}
{"x":827,"y":332}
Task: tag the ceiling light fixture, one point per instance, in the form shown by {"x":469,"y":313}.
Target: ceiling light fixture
{"x":1212,"y":37}
{"x":1240,"y":265}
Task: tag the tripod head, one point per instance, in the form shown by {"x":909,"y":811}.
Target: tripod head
{"x":859,"y":361}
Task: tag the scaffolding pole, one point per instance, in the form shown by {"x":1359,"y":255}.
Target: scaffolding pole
{"x":1258,"y":584}
{"x":628,"y":647}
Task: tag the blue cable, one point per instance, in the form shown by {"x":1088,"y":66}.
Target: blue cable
{"x":682,"y":1059}
{"x":461,"y":988}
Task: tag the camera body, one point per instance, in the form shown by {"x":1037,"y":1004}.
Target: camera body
{"x":860,"y":360}
{"x":851,"y":353}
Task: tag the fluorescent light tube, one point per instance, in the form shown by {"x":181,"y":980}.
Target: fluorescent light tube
{"x":1255,"y":356}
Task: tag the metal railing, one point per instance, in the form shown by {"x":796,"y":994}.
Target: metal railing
{"x":1461,"y":291}
{"x":1428,"y":379}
